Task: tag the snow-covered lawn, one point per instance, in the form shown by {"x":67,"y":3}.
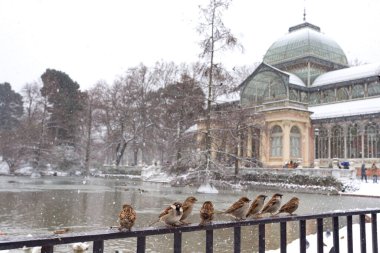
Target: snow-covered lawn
{"x":365,"y":189}
{"x":294,"y":247}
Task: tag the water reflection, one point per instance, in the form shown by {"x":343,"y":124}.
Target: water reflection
{"x":40,"y":206}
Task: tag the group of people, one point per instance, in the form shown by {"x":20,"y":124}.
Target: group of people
{"x":373,"y":170}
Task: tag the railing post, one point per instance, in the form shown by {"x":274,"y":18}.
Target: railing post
{"x":177,"y":242}
{"x":141,"y":244}
{"x":98,"y":247}
{"x":363,"y":241}
{"x":283,"y":237}
{"x":47,"y":249}
{"x":209,"y":241}
{"x":335,"y":221}
{"x":350,"y":248}
{"x":261,"y":238}
{"x":237,"y":239}
{"x":320,"y":235}
{"x":374,"y":232}
{"x":302,"y":228}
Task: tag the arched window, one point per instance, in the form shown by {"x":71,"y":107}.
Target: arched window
{"x":337,"y":142}
{"x":264,"y":86}
{"x":295,"y":142}
{"x":276,"y":141}
{"x":321,"y":143}
{"x":354,"y":142}
{"x":371,"y":141}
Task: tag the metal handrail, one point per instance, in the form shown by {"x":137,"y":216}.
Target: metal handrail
{"x":98,"y":237}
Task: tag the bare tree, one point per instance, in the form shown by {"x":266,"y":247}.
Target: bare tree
{"x":217,"y":37}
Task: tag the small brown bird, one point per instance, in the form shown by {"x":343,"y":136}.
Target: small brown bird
{"x":127,"y":217}
{"x":239,"y":209}
{"x":273,"y":204}
{"x":187,"y":207}
{"x":171,"y":215}
{"x":207,"y":213}
{"x":256,"y":206}
{"x":290,"y":207}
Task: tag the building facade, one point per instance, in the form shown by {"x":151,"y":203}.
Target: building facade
{"x":304,"y":104}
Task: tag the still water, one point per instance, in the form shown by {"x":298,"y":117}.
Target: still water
{"x":40,"y":206}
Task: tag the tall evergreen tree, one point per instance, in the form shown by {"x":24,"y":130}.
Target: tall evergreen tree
{"x":11,"y":108}
{"x":65,"y":105}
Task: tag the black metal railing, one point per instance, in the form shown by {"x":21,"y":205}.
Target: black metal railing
{"x":141,"y":234}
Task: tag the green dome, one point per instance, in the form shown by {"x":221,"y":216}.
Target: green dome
{"x":305,"y":40}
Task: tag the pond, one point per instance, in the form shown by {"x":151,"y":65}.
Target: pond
{"x":40,"y":206}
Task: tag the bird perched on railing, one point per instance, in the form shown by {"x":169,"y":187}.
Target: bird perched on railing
{"x":256,"y":206}
{"x":171,"y":215}
{"x":290,"y":207}
{"x":187,"y":207}
{"x":273,"y":204}
{"x":127,"y":217}
{"x":238,"y":209}
{"x":207,"y":213}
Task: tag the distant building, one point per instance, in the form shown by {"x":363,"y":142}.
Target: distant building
{"x":304,"y":104}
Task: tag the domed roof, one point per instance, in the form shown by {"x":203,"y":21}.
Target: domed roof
{"x":305,"y":40}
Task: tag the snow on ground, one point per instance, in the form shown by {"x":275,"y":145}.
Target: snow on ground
{"x":358,"y":187}
{"x":4,"y":168}
{"x":207,"y":188}
{"x":294,"y":246}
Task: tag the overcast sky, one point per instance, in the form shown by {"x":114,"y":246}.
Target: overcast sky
{"x":93,"y":40}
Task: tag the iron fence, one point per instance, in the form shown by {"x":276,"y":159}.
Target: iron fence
{"x":98,"y":238}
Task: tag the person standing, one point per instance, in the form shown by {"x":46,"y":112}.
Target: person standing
{"x":374,"y":173}
{"x":364,"y":172}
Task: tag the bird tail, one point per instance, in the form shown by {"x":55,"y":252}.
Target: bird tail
{"x":219,"y":212}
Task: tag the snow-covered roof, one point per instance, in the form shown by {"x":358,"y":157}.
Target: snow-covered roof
{"x":293,"y":79}
{"x":349,"y":108}
{"x":228,"y":98}
{"x":347,"y":74}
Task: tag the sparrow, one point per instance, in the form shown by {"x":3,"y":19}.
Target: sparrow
{"x":256,"y":206}
{"x":187,"y":207}
{"x":171,"y":215}
{"x":273,"y":204}
{"x":239,"y":209}
{"x":290,"y":207}
{"x":207,"y":213}
{"x":127,"y":217}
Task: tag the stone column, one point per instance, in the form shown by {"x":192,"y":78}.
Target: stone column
{"x":286,"y":141}
{"x":305,"y":145}
{"x":249,"y":142}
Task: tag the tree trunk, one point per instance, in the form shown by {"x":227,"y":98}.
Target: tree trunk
{"x":209,"y":97}
{"x":119,"y":154}
{"x":88,"y":141}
